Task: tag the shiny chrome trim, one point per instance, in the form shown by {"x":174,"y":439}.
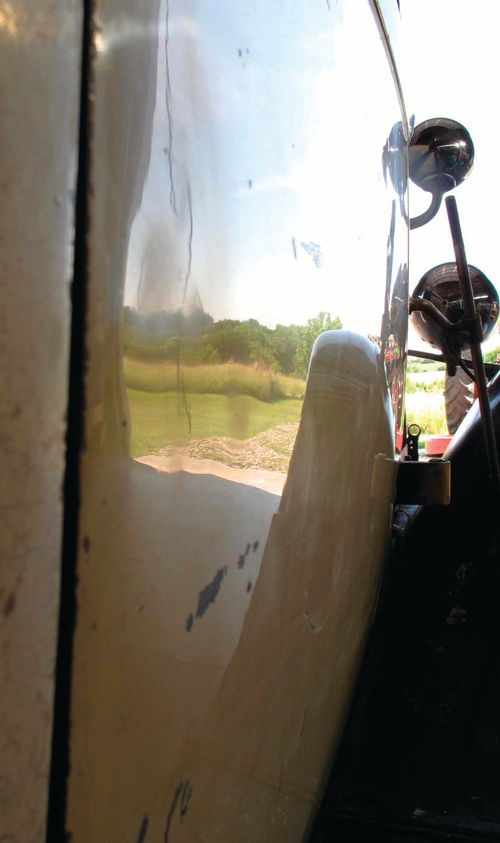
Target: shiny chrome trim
{"x":384,"y":34}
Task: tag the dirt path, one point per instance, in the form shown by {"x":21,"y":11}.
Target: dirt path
{"x":270,"y":450}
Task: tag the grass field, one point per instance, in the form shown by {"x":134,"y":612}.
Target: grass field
{"x":159,"y":419}
{"x":425,"y":382}
{"x":222,"y":400}
{"x":424,"y":396}
{"x":222,"y":379}
{"x":237,"y":401}
{"x":429,"y":415}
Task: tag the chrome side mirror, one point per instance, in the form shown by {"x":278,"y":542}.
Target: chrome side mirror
{"x":437,"y":307}
{"x":441,"y":155}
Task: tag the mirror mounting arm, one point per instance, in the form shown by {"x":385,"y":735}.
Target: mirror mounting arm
{"x":453,"y":334}
{"x":470,"y":318}
{"x":431,"y":310}
{"x":429,"y":214}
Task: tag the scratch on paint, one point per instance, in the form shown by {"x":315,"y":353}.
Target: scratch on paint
{"x":9,"y":605}
{"x":185,"y":798}
{"x":315,"y":627}
{"x":190,"y":244}
{"x":182,"y":399}
{"x":209,"y":594}
{"x":168,"y":102}
{"x":242,"y":556}
{"x":171,"y":812}
{"x":183,"y":792}
{"x":143,"y":829}
{"x":314,"y":251}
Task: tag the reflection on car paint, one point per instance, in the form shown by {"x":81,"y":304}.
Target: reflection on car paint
{"x":248,"y":227}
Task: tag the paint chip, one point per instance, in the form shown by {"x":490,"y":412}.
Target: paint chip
{"x":209,"y":594}
{"x":9,"y":605}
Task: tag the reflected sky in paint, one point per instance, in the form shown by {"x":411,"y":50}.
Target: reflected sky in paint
{"x":265,"y":187}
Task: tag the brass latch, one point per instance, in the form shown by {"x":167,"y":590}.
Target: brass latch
{"x":411,"y":482}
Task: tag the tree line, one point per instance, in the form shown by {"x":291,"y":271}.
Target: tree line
{"x":196,"y":338}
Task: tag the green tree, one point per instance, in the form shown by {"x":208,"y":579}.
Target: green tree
{"x":283,"y":344}
{"x":316,"y":326}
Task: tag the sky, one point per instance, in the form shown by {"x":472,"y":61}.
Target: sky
{"x":450,"y":67}
{"x":271,"y":203}
{"x":267,"y":122}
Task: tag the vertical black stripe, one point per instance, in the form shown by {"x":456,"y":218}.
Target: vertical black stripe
{"x":59,"y":770}
{"x":143,"y":829}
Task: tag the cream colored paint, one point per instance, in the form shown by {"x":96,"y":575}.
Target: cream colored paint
{"x":248,"y":706}
{"x":268,"y":481}
{"x":200,"y":719}
{"x":40,"y":54}
{"x":141,"y":680}
{"x":258,"y":762}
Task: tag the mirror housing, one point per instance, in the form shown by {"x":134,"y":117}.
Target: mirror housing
{"x":441,"y":155}
{"x":440,"y":287}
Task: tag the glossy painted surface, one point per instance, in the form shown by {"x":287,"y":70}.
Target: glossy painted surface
{"x":243,"y":169}
{"x":39,"y":67}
